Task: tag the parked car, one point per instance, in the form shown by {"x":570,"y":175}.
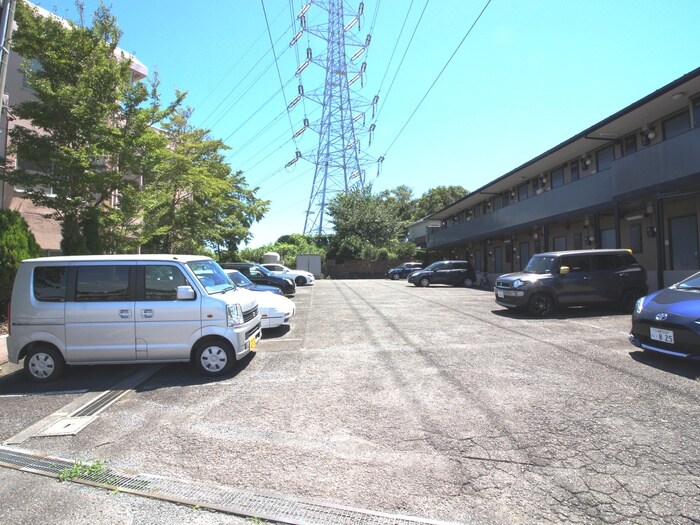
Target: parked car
{"x":106,"y":309}
{"x":573,"y":278}
{"x":242,"y":281}
{"x":301,"y":277}
{"x":261,"y":275}
{"x":403,"y":271}
{"x":275,"y":309}
{"x":666,"y":321}
{"x":456,"y":273}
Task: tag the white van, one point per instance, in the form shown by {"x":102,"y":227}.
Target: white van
{"x":118,"y":309}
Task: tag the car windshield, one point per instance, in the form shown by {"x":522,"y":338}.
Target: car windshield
{"x":238,"y":278}
{"x":539,"y":264}
{"x":211,"y":276}
{"x":691,"y":283}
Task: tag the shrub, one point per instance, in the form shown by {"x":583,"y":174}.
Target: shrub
{"x":16,"y":244}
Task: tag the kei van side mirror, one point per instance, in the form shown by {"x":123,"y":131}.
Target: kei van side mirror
{"x":185,"y":293}
{"x":564,"y":270}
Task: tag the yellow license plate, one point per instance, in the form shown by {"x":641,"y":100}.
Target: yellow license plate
{"x":252,"y":343}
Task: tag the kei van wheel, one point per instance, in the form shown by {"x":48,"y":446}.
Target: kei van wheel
{"x":44,"y":363}
{"x":468,"y":282}
{"x":540,"y":305}
{"x":424,"y":282}
{"x":214,"y":358}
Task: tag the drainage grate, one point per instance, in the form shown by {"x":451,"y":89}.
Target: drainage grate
{"x":261,"y":505}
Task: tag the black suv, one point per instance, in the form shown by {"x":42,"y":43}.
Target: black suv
{"x":457,"y":273}
{"x":573,"y":278}
{"x":261,"y":275}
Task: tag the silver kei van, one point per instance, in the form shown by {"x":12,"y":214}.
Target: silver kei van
{"x":119,"y":309}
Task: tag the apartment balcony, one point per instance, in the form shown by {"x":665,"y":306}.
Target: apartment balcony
{"x":660,"y":167}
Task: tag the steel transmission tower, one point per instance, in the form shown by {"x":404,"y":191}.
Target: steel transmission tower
{"x":338,"y":160}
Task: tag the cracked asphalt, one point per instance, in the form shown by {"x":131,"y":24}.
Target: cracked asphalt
{"x":429,"y":402}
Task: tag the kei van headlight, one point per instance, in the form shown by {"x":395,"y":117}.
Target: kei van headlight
{"x":234,"y":314}
{"x":518,"y":283}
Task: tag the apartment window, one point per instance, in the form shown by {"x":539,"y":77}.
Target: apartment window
{"x":485,"y":207}
{"x":557,"y":177}
{"x":505,"y":199}
{"x":696,"y":113}
{"x":522,"y":192}
{"x":559,"y":243}
{"x":476,"y":211}
{"x":629,"y":144}
{"x":636,"y":237}
{"x":32,"y":67}
{"x":574,"y":171}
{"x":605,"y":157}
{"x":677,"y":125}
{"x":497,"y":203}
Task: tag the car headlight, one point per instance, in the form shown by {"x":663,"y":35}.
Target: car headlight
{"x":639,"y":305}
{"x":518,"y":283}
{"x":289,"y":282}
{"x":234,"y":314}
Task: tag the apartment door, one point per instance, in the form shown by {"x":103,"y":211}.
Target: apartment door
{"x":683,"y":238}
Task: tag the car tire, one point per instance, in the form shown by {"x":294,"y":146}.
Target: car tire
{"x":300,"y":280}
{"x":44,"y":363}
{"x":395,"y":277}
{"x":214,"y":357}
{"x":424,"y":282}
{"x":628,"y":299}
{"x":540,"y":305}
{"x":468,"y":282}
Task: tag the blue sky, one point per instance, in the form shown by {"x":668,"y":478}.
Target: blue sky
{"x":528,"y":76}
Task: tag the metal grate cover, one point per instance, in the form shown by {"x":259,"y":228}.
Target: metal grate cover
{"x":262,"y":505}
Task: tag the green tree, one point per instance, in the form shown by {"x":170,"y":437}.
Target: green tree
{"x":363,"y":214}
{"x":91,"y":126}
{"x":435,"y":199}
{"x":193,"y":202}
{"x":16,"y":244}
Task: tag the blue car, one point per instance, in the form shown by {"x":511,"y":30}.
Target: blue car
{"x":403,"y":271}
{"x":668,"y":321}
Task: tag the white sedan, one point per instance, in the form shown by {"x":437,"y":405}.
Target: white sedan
{"x":301,"y":277}
{"x":275,"y":310}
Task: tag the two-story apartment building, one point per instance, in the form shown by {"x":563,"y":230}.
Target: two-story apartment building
{"x":47,"y":231}
{"x":629,"y":181}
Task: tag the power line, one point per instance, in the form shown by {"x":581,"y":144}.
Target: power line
{"x":279,"y":75}
{"x":438,"y":77}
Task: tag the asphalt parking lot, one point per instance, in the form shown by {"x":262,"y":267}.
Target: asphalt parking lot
{"x":428,"y":403}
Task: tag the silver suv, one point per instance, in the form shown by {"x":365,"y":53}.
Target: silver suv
{"x":573,"y":278}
